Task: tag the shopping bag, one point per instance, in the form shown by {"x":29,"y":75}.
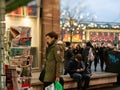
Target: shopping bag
{"x":91,"y":56}
{"x":41,"y":76}
{"x":30,"y":88}
{"x":50,"y":87}
{"x":58,"y":86}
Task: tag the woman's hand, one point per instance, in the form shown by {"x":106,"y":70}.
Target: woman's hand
{"x":57,"y":78}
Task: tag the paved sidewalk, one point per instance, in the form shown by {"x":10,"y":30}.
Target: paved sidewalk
{"x":98,"y":69}
{"x":115,"y":87}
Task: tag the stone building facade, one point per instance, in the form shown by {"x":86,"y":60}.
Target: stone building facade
{"x":50,"y":19}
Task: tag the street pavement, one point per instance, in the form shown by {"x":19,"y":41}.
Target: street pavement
{"x":109,"y":88}
{"x":114,"y":87}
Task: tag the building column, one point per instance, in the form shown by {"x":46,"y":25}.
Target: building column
{"x":50,"y":20}
{"x":2,"y":52}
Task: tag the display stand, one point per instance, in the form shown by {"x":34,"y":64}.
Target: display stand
{"x":20,"y":60}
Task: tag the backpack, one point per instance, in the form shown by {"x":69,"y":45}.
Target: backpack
{"x":62,"y":49}
{"x":68,"y":54}
{"x":91,"y":56}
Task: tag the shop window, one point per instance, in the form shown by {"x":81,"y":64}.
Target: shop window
{"x":35,"y":57}
{"x":32,"y":8}
{"x":20,"y":15}
{"x":29,"y":10}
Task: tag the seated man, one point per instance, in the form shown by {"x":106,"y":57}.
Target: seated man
{"x":76,"y":69}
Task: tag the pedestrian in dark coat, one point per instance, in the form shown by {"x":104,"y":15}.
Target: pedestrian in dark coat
{"x":85,"y":54}
{"x":68,"y":56}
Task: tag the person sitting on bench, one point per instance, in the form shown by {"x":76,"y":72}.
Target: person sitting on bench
{"x":76,"y":69}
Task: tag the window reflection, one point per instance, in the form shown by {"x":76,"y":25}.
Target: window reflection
{"x":32,"y":8}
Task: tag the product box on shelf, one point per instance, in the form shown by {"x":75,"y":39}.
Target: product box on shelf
{"x":19,"y":51}
{"x":21,"y":41}
{"x":21,"y":60}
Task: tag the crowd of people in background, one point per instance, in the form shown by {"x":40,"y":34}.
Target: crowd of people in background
{"x":78,"y":59}
{"x":90,"y":52}
{"x":100,"y":51}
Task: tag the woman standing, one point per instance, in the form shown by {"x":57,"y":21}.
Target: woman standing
{"x":53,"y":64}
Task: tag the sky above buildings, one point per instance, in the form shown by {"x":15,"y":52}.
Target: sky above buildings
{"x":96,"y":10}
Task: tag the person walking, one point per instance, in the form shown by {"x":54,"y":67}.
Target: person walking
{"x":88,"y":55}
{"x":96,"y":60}
{"x":102,"y":56}
{"x":77,"y":70}
{"x":68,"y":56}
{"x":53,"y":63}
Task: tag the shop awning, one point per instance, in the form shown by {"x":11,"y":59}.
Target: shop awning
{"x":14,"y":4}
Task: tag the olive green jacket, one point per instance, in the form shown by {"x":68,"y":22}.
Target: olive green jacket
{"x":53,"y":65}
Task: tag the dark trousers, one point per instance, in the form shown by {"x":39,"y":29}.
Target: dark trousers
{"x":102,"y":62}
{"x":96,"y":60}
{"x":80,"y":78}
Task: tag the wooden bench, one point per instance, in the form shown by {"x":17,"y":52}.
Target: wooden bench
{"x":98,"y":79}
